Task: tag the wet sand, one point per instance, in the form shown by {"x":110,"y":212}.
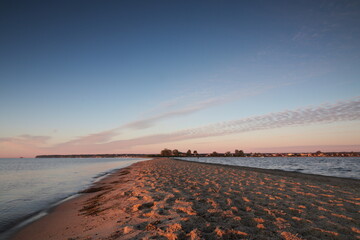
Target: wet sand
{"x":173,"y":199}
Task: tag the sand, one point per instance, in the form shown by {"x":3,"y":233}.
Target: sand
{"x":173,"y":199}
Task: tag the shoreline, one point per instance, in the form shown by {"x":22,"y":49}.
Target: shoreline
{"x":281,"y":172}
{"x":164,"y":198}
{"x":19,"y":224}
{"x":308,"y":166}
{"x":23,"y":222}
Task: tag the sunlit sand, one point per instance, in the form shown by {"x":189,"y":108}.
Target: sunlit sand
{"x":172,"y":199}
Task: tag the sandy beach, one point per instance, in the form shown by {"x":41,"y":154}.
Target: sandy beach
{"x":173,"y":199}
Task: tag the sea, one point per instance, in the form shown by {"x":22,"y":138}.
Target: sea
{"x":344,"y":167}
{"x":30,"y":187}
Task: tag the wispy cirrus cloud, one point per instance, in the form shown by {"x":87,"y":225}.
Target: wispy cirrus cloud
{"x":100,"y":137}
{"x":195,"y":102}
{"x":150,"y":121}
{"x":348,"y":110}
{"x":25,"y":139}
{"x":173,"y":108}
{"x":146,"y":122}
{"x":326,"y":113}
{"x":23,"y":145}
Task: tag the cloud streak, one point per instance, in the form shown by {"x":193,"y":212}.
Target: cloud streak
{"x":326,"y":113}
{"x":25,"y":140}
{"x":348,"y":110}
{"x":193,"y":106}
{"x":188,"y":106}
{"x":24,"y":145}
{"x":100,"y":137}
{"x":149,"y":122}
{"x":106,"y":136}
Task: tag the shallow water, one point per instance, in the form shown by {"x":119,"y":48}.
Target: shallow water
{"x":30,"y":185}
{"x":346,"y":167}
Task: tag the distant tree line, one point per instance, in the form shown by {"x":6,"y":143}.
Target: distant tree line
{"x":240,"y":153}
{"x":176,"y":153}
{"x":237,"y":153}
{"x":92,"y":155}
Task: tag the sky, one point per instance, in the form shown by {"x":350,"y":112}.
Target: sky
{"x":87,"y":77}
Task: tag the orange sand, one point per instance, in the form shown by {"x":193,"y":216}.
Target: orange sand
{"x":172,"y":199}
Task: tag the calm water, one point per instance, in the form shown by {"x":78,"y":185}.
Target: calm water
{"x":30,"y":185}
{"x":330,"y":166}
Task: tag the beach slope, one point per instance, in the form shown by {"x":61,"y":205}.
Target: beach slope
{"x":173,"y":199}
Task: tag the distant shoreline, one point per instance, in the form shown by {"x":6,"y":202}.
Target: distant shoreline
{"x":95,"y":156}
{"x":124,"y":155}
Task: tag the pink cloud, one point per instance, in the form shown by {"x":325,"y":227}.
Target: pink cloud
{"x":348,"y":110}
{"x":327,"y":113}
{"x":149,"y":122}
{"x":100,"y":137}
{"x":106,"y":136}
{"x":24,"y":145}
{"x":26,"y":139}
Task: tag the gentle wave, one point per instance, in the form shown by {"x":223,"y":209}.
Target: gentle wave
{"x":28,"y":186}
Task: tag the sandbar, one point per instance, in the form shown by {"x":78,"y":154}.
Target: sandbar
{"x":166,"y":198}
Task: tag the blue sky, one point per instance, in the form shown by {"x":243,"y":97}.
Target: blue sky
{"x":72,"y":70}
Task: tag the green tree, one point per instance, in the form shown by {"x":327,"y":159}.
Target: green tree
{"x":236,"y":154}
{"x":188,"y":153}
{"x":239,"y":153}
{"x":195,"y":153}
{"x":214,"y":154}
{"x":175,"y":152}
{"x":228,"y":154}
{"x":166,"y":152}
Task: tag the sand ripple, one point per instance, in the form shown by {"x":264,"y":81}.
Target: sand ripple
{"x":171,"y":199}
